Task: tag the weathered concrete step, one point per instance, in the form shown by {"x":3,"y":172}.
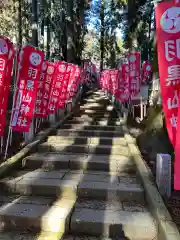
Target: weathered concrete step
{"x":89,"y":149}
{"x":96,"y":115}
{"x":86,"y":237}
{"x":69,"y":140}
{"x":119,"y":223}
{"x":112,"y":205}
{"x":25,"y":235}
{"x":95,"y":122}
{"x":70,"y":185}
{"x":78,"y":176}
{"x":104,"y":106}
{"x":36,"y":215}
{"x":97,"y":112}
{"x":54,"y":161}
{"x":14,"y":235}
{"x":88,"y":133}
{"x":88,"y":127}
{"x":87,"y":118}
{"x":88,"y":140}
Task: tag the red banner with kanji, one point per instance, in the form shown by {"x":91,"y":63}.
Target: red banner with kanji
{"x":73,"y":81}
{"x":57,"y":85}
{"x":43,"y":87}
{"x":134,"y":73}
{"x":106,"y":79}
{"x":113,"y":81}
{"x":146,"y":71}
{"x":123,"y":92}
{"x":6,"y":48}
{"x":63,"y":92}
{"x":168,"y":43}
{"x":29,"y":71}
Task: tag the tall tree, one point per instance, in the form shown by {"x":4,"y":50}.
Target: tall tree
{"x":20,"y":22}
{"x":34,"y":23}
{"x":102,"y":13}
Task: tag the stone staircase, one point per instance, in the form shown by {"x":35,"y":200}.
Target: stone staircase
{"x":79,"y":184}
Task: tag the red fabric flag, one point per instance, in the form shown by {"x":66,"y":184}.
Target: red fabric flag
{"x":134,"y":73}
{"x":74,"y":81}
{"x":113,"y":81}
{"x":146,"y":72}
{"x":42,"y":89}
{"x":31,"y":61}
{"x":123,"y":92}
{"x":63,"y":90}
{"x":168,"y":43}
{"x":6,"y":85}
{"x":57,"y":85}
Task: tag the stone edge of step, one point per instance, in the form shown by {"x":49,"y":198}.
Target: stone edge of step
{"x":167,"y":229}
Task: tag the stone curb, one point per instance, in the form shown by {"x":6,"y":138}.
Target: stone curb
{"x":167,"y":229}
{"x":15,"y":161}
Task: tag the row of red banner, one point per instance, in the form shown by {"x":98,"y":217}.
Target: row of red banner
{"x":125,"y":82}
{"x":42,"y":87}
{"x":129,"y":80}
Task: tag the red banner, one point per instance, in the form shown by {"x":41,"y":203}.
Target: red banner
{"x":146,"y":71}
{"x":123,"y":92}
{"x":107,"y":79}
{"x":4,"y":54}
{"x":113,"y":81}
{"x":73,"y":82}
{"x":63,"y":93}
{"x":6,"y":82}
{"x":134,"y":73}
{"x":59,"y":78}
{"x":168,"y":43}
{"x":41,"y":103}
{"x":31,"y":61}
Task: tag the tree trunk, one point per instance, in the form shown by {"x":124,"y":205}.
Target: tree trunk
{"x":34,"y":23}
{"x":102,"y":35}
{"x":70,"y":31}
{"x":64,"y":33}
{"x":20,"y":23}
{"x":42,"y":12}
{"x":47,"y":33}
{"x":131,"y":16}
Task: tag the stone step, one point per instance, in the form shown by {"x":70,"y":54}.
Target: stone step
{"x":95,"y":106}
{"x":85,"y":149}
{"x":36,"y":214}
{"x":71,"y":184}
{"x":54,"y":161}
{"x":89,"y":127}
{"x":18,"y":235}
{"x":83,"y":118}
{"x":88,"y":133}
{"x":88,"y":140}
{"x":86,"y":237}
{"x":95,"y":122}
{"x":113,"y":219}
{"x":97,"y":112}
{"x":96,"y":115}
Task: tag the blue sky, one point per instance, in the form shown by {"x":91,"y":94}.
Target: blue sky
{"x":93,"y":20}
